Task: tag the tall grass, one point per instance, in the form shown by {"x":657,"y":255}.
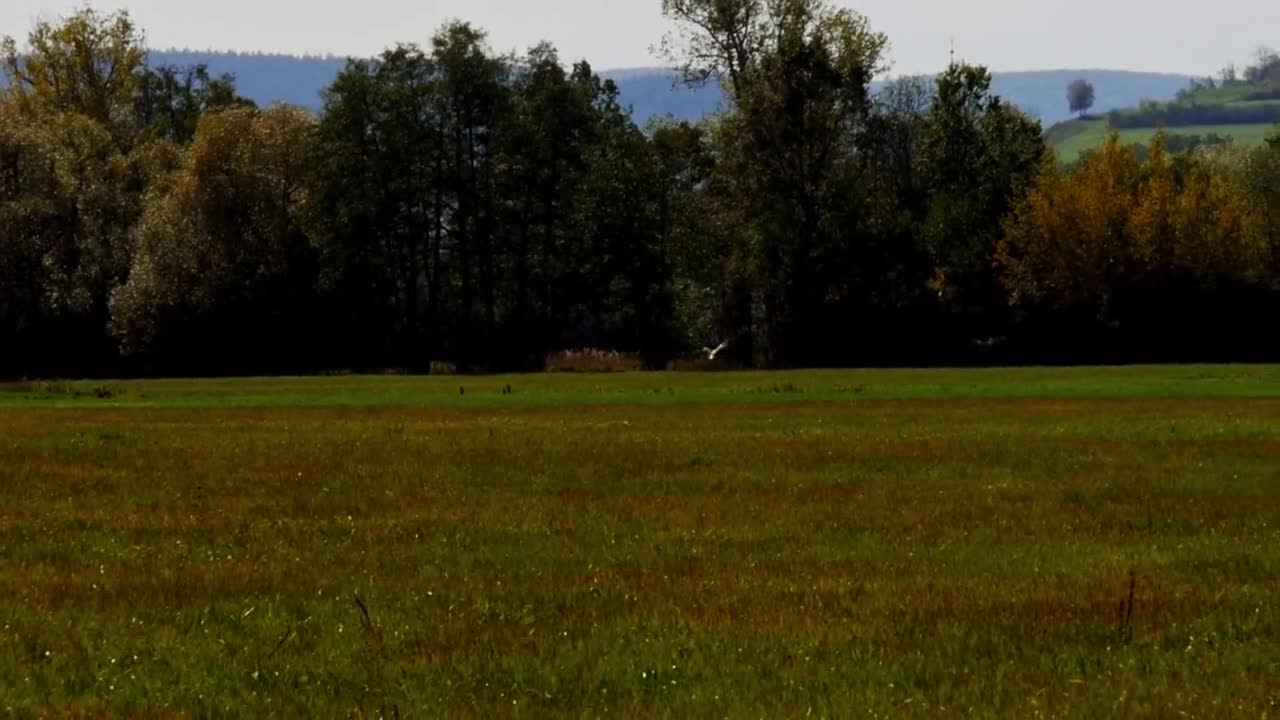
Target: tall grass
{"x":825,"y":544}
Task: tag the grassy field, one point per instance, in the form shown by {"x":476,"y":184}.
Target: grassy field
{"x":987,"y":543}
{"x":1084,"y":135}
{"x":1224,"y":95}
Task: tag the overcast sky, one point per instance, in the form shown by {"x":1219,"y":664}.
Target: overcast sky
{"x":1156,"y":35}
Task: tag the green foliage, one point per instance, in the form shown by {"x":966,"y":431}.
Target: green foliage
{"x":797,"y":74}
{"x":510,"y":207}
{"x":26,"y":176}
{"x":169,"y":101}
{"x":1167,"y":248}
{"x":455,"y":207}
{"x":976,"y":155}
{"x":1080,"y":96}
{"x":69,"y":202}
{"x":88,"y":133}
{"x":1261,"y":177}
{"x":222,"y":239}
{"x":86,"y":64}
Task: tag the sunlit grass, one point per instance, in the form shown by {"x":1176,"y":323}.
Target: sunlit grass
{"x":652,"y":388}
{"x":889,"y":543}
{"x":1092,"y":134}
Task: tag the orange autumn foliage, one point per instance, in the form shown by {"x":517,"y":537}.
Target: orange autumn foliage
{"x":1117,"y":222}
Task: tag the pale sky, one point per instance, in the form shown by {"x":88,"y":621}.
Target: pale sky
{"x":1153,"y":35}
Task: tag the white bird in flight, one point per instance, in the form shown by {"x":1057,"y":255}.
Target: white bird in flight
{"x":712,"y":353}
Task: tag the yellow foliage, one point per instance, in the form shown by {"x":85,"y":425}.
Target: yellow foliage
{"x":85,"y":64}
{"x":224,"y":221}
{"x":1113,"y":220}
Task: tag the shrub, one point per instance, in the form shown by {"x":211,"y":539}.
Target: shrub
{"x":593,"y":360}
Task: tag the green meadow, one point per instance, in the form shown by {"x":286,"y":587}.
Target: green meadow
{"x":1082,"y":135}
{"x":1068,"y":543}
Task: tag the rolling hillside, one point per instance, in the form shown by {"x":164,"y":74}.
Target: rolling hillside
{"x":1089,"y":134}
{"x":1244,"y":113}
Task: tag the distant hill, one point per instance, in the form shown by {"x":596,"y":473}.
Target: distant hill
{"x":264,"y":78}
{"x":1041,"y":93}
{"x":653,"y":92}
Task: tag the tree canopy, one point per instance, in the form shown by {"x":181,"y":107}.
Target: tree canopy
{"x":454,"y":205}
{"x":1080,"y":96}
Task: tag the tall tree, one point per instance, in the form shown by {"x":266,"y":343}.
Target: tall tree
{"x":797,"y":74}
{"x":223,"y":274}
{"x":1080,"y":96}
{"x":625,"y":299}
{"x":977,"y":155}
{"x":382,"y":206}
{"x":545,"y":155}
{"x":72,"y":99}
{"x":472,"y":99}
{"x":1262,"y":182}
{"x":695,"y":235}
{"x":28,"y":230}
{"x":169,"y":101}
{"x":86,"y":64}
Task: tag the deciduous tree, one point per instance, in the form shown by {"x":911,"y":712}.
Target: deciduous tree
{"x":1080,"y":96}
{"x":223,"y":273}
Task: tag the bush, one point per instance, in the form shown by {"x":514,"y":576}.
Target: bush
{"x":593,"y":360}
{"x":443,"y":368}
{"x":59,"y":389}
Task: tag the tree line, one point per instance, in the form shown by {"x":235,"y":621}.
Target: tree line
{"x":1174,"y":115}
{"x":451,"y":204}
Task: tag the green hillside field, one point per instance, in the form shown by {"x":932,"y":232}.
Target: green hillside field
{"x":1070,"y":139}
{"x":1078,"y":136}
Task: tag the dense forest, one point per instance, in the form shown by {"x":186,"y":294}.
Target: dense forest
{"x":449,"y":204}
